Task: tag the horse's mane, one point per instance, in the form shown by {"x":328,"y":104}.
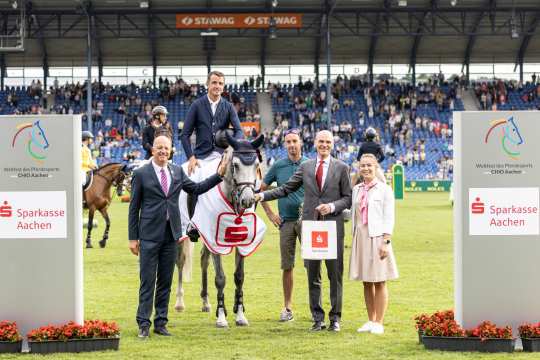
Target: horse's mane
{"x":107,"y":165}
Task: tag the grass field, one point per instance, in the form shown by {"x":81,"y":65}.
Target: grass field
{"x":423,"y":247}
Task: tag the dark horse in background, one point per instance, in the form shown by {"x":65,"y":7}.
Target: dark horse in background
{"x":97,"y":196}
{"x":239,"y":187}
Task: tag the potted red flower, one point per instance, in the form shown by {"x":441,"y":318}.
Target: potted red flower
{"x":530,"y":336}
{"x":94,"y":335}
{"x":423,"y":320}
{"x":441,"y":332}
{"x":10,"y":339}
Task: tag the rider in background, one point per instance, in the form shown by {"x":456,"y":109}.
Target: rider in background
{"x":87,"y":164}
{"x":159,"y":125}
{"x":371,"y":146}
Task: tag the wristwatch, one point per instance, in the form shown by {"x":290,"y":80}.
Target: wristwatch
{"x":387,"y":241}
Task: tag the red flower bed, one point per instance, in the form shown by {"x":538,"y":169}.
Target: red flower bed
{"x":92,"y":329}
{"x":442,"y":323}
{"x":9,"y":331}
{"x":529,"y":331}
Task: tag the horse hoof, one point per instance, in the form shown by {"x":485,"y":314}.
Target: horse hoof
{"x":89,"y":245}
{"x":102,"y":244}
{"x":240,"y":317}
{"x":206,"y":308}
{"x":221,"y":321}
{"x":179,"y":306}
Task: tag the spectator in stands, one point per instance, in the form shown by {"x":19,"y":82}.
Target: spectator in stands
{"x":372,"y":259}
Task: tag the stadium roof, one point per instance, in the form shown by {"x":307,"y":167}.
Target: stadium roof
{"x":362,"y":32}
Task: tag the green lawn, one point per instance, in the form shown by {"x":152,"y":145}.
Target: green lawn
{"x":423,"y":247}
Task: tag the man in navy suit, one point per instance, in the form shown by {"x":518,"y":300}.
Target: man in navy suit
{"x":155,"y":228}
{"x":206,"y":116}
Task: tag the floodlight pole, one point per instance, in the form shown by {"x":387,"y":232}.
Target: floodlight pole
{"x":89,"y":81}
{"x":328,"y":74}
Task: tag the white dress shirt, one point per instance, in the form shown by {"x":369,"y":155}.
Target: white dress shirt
{"x":213,"y":104}
{"x":325,"y":165}
{"x":157,"y":170}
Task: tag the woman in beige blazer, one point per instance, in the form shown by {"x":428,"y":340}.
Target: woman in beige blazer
{"x":372,"y":258}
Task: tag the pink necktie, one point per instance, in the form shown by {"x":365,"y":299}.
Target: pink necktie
{"x":364,"y":200}
{"x":164,"y":185}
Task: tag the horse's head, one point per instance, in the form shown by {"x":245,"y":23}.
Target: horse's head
{"x":38,"y":136}
{"x":512,"y":133}
{"x":121,"y":173}
{"x":241,"y":176}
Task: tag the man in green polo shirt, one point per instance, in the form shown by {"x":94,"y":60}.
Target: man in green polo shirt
{"x":289,"y":213}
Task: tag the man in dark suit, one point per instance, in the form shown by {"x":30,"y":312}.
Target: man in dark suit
{"x":327,"y":192}
{"x":207,"y":115}
{"x":155,"y":228}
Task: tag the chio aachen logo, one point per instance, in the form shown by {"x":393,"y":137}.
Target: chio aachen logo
{"x":36,"y":142}
{"x":510,"y":137}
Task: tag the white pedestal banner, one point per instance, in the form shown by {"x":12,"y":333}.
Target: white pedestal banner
{"x":497,"y":217}
{"x":40,"y":220}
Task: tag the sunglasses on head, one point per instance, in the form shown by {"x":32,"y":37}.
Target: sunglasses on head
{"x":291,"y":131}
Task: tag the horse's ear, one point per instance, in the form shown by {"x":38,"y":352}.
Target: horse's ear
{"x":231,"y":140}
{"x":258,"y":142}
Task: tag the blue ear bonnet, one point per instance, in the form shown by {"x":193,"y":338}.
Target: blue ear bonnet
{"x":245,"y":152}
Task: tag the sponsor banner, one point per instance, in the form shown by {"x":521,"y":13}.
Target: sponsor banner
{"x":427,"y":185}
{"x":33,"y":214}
{"x":248,"y":126}
{"x":319,"y":240}
{"x":237,"y":21}
{"x":503,"y":211}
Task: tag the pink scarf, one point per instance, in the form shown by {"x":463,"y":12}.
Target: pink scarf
{"x":364,"y":200}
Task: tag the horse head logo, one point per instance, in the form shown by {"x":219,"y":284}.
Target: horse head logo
{"x":510,"y":136}
{"x":37,"y":142}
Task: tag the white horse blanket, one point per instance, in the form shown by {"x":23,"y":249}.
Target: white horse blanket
{"x":220,"y":227}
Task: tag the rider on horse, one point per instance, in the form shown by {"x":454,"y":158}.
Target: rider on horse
{"x":159,"y":125}
{"x":206,"y":116}
{"x":88,"y":163}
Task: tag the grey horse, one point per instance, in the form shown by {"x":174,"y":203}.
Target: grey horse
{"x":239,"y":187}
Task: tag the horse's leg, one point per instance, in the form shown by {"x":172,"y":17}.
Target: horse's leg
{"x":238,"y":309}
{"x":105,"y":215}
{"x":221,"y":312}
{"x":91,"y":210}
{"x":205,"y":261}
{"x":180,"y":261}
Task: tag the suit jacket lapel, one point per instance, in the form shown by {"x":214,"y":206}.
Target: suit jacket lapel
{"x":208,"y":106}
{"x":154,"y":177}
{"x":219,"y":106}
{"x":328,"y":174}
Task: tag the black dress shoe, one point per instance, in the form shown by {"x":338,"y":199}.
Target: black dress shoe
{"x":334,"y":326}
{"x":318,"y":326}
{"x":162,"y":330}
{"x":144,"y":332}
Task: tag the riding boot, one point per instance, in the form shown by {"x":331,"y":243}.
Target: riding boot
{"x":192,"y":232}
